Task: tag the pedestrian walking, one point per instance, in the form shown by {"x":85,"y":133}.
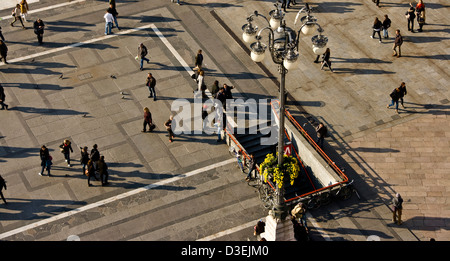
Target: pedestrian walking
{"x":321,"y":131}
{"x":168,"y":125}
{"x":109,"y":19}
{"x":112,"y":9}
{"x":148,"y":121}
{"x":201,"y":83}
{"x":326,"y":60}
{"x":103,"y":170}
{"x":198,"y":60}
{"x":299,"y":213}
{"x":17,"y":16}
{"x":84,"y":158}
{"x":377,"y":26}
{"x":251,"y":168}
{"x":142,"y":52}
{"x":178,"y":2}
{"x":402,"y":93}
{"x":397,"y":203}
{"x":46,"y":160}
{"x":397,"y":43}
{"x":410,"y":16}
{"x":1,"y":35}
{"x":90,"y":171}
{"x":200,"y":79}
{"x":95,"y":156}
{"x":24,"y":9}
{"x":2,"y":98}
{"x":151,"y":84}
{"x":2,"y":185}
{"x":66,"y":149}
{"x":395,"y":96}
{"x":386,"y":24}
{"x":39,"y":30}
{"x":3,"y":51}
{"x":215,"y":88}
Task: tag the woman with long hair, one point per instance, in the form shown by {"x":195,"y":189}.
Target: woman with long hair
{"x":377,"y":26}
{"x":326,"y":60}
{"x":24,"y":9}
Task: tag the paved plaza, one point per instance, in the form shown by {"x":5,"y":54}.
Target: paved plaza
{"x":87,"y":87}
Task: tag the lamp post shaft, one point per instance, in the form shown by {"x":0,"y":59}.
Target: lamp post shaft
{"x":280,"y":190}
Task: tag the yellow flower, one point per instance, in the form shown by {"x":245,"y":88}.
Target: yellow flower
{"x":270,"y":168}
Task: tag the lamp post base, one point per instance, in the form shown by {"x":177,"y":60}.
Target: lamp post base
{"x":278,"y":230}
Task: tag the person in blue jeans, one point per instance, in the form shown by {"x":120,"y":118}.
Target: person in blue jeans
{"x":142,"y":52}
{"x":46,"y":160}
{"x":109,"y":19}
{"x":66,"y":148}
{"x":395,"y":96}
{"x":113,"y":11}
{"x":151,"y":83}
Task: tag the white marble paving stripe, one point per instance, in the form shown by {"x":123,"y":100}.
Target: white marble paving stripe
{"x":230,"y":231}
{"x":172,"y":49}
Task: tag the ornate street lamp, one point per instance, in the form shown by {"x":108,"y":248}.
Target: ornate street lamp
{"x":283,"y":45}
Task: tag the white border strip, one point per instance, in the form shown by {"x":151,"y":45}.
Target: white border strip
{"x":45,"y":8}
{"x":112,"y":199}
{"x":172,"y":49}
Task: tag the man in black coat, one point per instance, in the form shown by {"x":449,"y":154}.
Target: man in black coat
{"x":411,"y":18}
{"x":95,"y":156}
{"x":151,"y":83}
{"x":39,"y":29}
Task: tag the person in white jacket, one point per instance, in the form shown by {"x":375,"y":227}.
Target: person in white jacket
{"x":17,"y":16}
{"x":109,"y":19}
